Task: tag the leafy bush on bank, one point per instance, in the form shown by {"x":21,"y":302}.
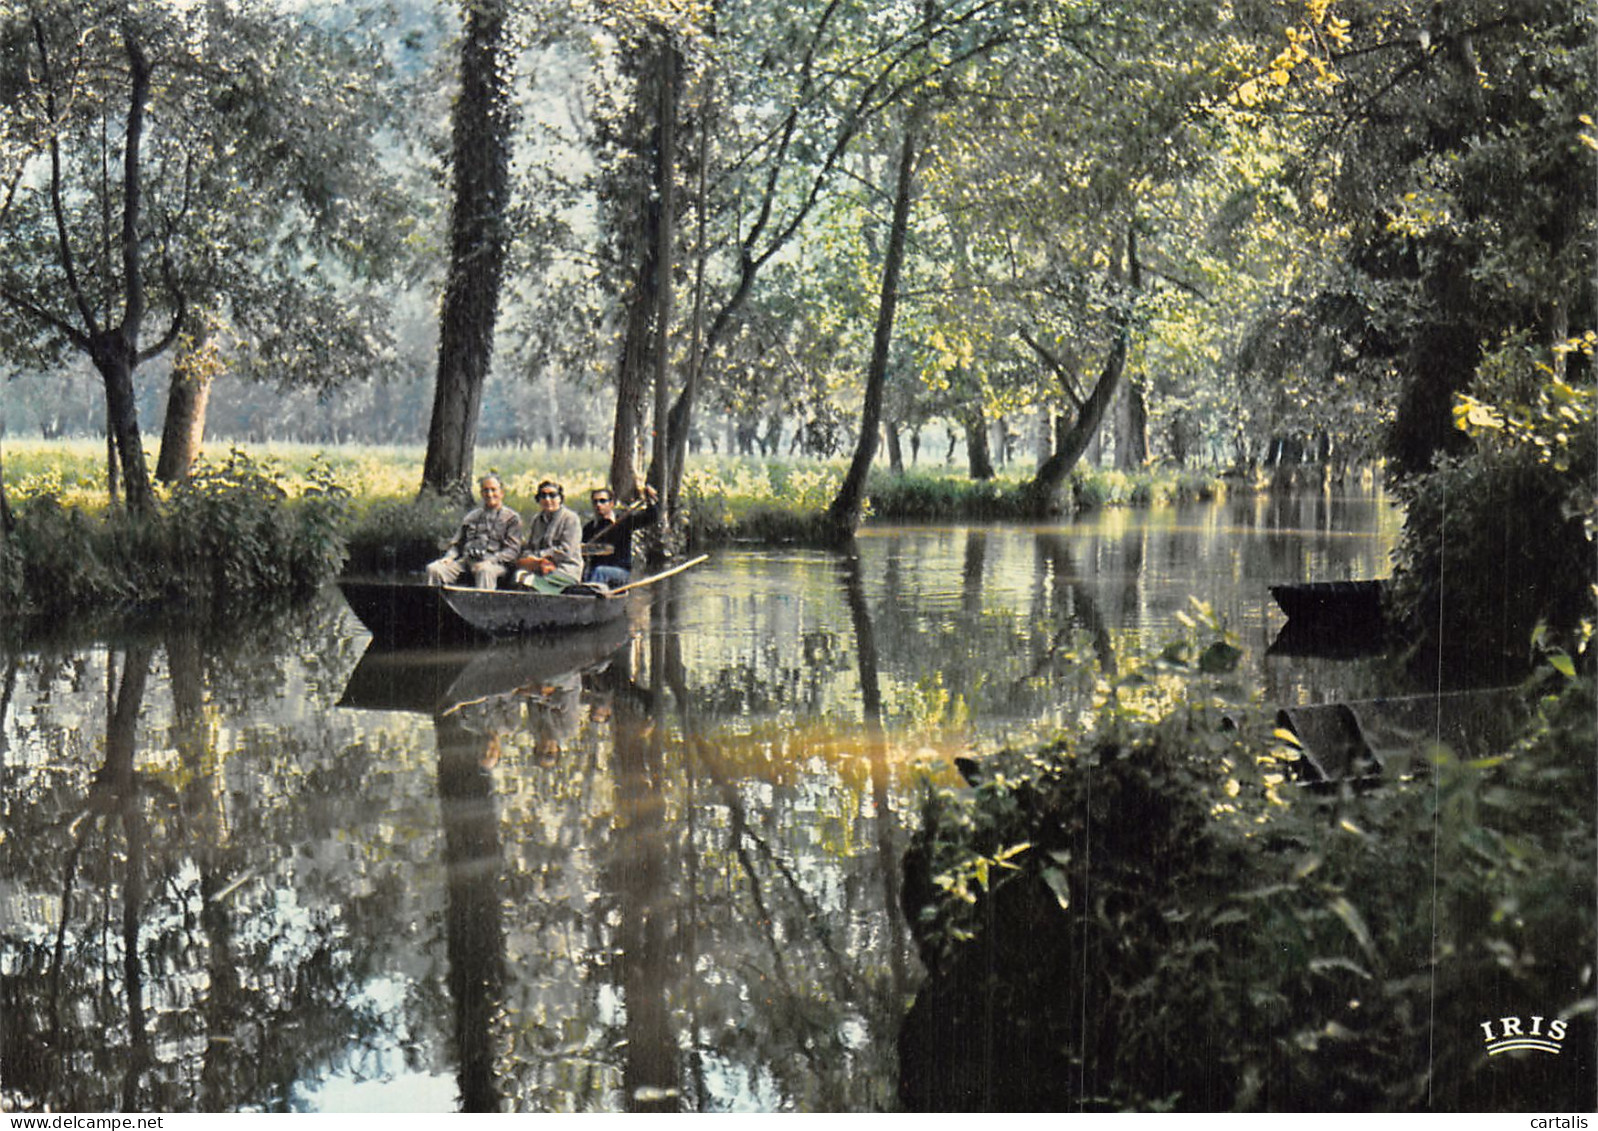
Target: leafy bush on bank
{"x":1489,"y":552}
{"x":401,"y":537}
{"x":1499,"y":545}
{"x":1152,"y":915}
{"x":234,"y":531}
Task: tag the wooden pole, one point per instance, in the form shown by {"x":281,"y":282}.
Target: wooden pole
{"x":657,"y":577}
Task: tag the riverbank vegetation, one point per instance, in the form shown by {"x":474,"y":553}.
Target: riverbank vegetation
{"x":765,"y":257}
{"x":1155,"y":913}
{"x":234,"y":535}
{"x":282,"y":521}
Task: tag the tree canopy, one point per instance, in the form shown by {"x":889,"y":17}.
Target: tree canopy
{"x":1184,"y":232}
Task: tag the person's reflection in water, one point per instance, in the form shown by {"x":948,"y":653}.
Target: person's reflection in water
{"x":473,"y":933}
{"x":554,"y":716}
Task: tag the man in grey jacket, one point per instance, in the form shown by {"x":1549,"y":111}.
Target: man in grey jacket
{"x":487,"y":542}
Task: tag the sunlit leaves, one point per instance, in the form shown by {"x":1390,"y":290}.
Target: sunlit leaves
{"x":1553,"y":421}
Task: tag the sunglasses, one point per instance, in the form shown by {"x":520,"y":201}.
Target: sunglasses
{"x":597,"y":502}
{"x":549,"y":494}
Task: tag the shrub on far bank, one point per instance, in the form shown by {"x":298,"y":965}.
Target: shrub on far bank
{"x":915,"y":497}
{"x":401,"y":537}
{"x":238,"y":531}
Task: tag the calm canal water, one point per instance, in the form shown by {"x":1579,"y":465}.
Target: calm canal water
{"x":655,"y":869}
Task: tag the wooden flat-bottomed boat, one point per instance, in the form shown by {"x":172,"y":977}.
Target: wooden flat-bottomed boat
{"x":415,"y":612}
{"x":410,"y":611}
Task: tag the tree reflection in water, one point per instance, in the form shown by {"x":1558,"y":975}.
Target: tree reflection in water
{"x":222,"y":893}
{"x":473,"y":932}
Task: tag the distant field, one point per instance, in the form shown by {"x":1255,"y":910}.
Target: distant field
{"x":729,"y":494}
{"x":74,"y":472}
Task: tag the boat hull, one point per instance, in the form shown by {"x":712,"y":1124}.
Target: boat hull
{"x":1350,"y":605}
{"x":411,"y":612}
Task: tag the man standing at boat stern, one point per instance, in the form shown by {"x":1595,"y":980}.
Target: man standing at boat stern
{"x":487,"y":542}
{"x":552,"y":555}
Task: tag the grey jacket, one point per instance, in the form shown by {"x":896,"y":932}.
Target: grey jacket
{"x":559,"y":537}
{"x":488,"y":536}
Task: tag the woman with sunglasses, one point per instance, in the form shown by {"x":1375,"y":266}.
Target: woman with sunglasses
{"x":552,"y":555}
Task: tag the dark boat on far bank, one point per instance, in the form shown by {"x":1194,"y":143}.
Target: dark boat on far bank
{"x":1345,"y":604}
{"x":1338,"y":619}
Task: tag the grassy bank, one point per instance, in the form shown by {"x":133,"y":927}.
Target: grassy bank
{"x":278,"y":520}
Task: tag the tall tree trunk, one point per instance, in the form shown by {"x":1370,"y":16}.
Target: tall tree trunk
{"x":111,"y":489}
{"x":979,"y":457}
{"x":190,"y":391}
{"x":115,"y":363}
{"x":634,"y":365}
{"x":632,"y":372}
{"x":1043,"y":493}
{"x":696,"y":352}
{"x":890,"y":429}
{"x":1132,"y":446}
{"x":478,"y":240}
{"x":843,"y":516}
{"x":113,"y":349}
{"x":1138,"y":419}
{"x":8,"y":521}
{"x":670,"y":447}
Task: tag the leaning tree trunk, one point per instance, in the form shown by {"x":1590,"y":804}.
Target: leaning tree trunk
{"x":190,"y":391}
{"x":479,"y":236}
{"x":1042,"y":494}
{"x":843,"y":516}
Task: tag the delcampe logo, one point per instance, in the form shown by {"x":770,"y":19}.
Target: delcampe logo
{"x":1514,"y":1034}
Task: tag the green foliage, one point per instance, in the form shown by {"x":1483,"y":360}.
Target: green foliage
{"x":1164,"y":920}
{"x":1491,"y":549}
{"x":238,"y":531}
{"x":1529,"y":407}
{"x":401,"y":536}
{"x":1464,"y":171}
{"x":1095,"y":488}
{"x":264,"y":196}
{"x":919,"y":497}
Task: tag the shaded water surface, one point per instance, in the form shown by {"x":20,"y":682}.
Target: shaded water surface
{"x":654,"y":869}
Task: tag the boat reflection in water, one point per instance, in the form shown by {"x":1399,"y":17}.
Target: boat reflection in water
{"x":482,"y":699}
{"x":442,"y":680}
